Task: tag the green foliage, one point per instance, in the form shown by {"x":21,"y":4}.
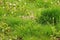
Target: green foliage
{"x":22,"y":19}
{"x":50,"y":16}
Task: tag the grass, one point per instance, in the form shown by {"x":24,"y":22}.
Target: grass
{"x":21,"y":19}
{"x":49,"y":15}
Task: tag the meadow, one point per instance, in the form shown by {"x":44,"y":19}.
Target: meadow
{"x":29,"y":19}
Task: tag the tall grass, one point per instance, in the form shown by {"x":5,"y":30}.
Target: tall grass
{"x":29,"y":19}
